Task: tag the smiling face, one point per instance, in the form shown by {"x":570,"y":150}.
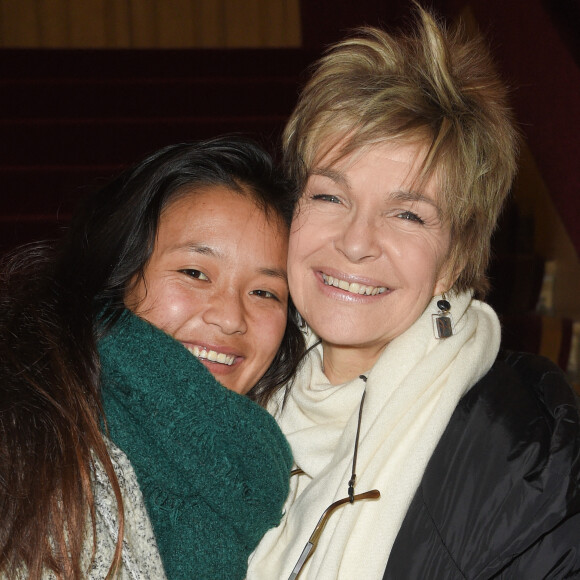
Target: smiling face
{"x":367,"y":253}
{"x":216,"y":282}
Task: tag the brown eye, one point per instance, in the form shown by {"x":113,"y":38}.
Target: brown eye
{"x":194,"y":274}
{"x":265,"y":294}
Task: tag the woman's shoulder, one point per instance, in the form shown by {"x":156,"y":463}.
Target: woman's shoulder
{"x":140,"y":557}
{"x":521,"y":418}
{"x":524,"y":396}
{"x":502,"y":488}
{"x":518,"y":378}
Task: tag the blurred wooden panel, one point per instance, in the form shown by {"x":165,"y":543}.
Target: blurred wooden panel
{"x":280,"y":22}
{"x":54,"y":19}
{"x":149,"y":23}
{"x":176,"y":23}
{"x":144,"y":21}
{"x":117,"y":24}
{"x":209,"y":23}
{"x":19,"y":21}
{"x":242,"y":22}
{"x":87,"y":23}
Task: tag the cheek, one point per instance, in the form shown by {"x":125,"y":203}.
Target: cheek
{"x":423,"y":258}
{"x":303,"y":234}
{"x":166,"y":308}
{"x":293,"y":267}
{"x":301,"y":246}
{"x":138,"y":295}
{"x":269,"y":333}
{"x":278,"y":327}
{"x":294,"y":247}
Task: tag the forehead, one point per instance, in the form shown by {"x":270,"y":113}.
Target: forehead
{"x":377,"y":160}
{"x":221,"y":214}
{"x":221,"y":203}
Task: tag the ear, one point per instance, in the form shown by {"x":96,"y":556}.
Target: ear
{"x":448,"y":274}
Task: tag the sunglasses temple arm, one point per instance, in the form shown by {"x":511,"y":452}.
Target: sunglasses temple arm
{"x":313,"y":540}
{"x":301,"y":560}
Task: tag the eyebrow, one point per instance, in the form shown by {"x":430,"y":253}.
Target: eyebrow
{"x":209,"y":251}
{"x":274,"y":273}
{"x":195,"y":248}
{"x":403,"y":195}
{"x":333,"y":175}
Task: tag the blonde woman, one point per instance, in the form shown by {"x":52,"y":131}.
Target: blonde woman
{"x":421,"y":452}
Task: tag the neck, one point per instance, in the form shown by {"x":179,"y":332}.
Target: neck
{"x":344,"y":363}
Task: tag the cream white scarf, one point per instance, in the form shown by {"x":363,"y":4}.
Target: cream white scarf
{"x":411,"y":392}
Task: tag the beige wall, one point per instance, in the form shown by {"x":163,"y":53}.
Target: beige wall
{"x":149,"y":23}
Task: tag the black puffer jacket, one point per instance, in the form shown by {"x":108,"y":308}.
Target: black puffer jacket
{"x":500,"y":497}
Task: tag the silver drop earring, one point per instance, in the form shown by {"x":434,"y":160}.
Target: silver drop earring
{"x":443,"y":321}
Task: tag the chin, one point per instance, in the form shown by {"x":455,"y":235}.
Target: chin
{"x":343,"y":338}
{"x":340,"y":330}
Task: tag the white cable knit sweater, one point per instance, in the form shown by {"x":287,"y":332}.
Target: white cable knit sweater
{"x":140,"y":559}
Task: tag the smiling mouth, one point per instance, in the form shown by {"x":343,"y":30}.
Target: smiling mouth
{"x":211,"y":355}
{"x":354,"y":287}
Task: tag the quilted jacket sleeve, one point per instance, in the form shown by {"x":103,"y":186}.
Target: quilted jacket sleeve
{"x":501,"y":494}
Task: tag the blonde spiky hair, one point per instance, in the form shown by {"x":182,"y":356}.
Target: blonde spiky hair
{"x":431,"y":86}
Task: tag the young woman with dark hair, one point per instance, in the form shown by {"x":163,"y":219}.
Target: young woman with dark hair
{"x":189,"y":247}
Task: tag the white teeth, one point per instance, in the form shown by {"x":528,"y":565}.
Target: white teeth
{"x":354,"y":288}
{"x":212,"y":355}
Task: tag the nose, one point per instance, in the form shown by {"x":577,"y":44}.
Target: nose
{"x":357,"y":238}
{"x":226,"y":310}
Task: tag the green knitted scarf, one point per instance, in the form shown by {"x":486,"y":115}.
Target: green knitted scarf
{"x":213,"y":466}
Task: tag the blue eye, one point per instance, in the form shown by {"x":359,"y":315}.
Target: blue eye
{"x":410,"y":216}
{"x":198,"y":274}
{"x":326,"y":197}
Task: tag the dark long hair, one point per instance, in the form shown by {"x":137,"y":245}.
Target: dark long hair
{"x":55,"y":303}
